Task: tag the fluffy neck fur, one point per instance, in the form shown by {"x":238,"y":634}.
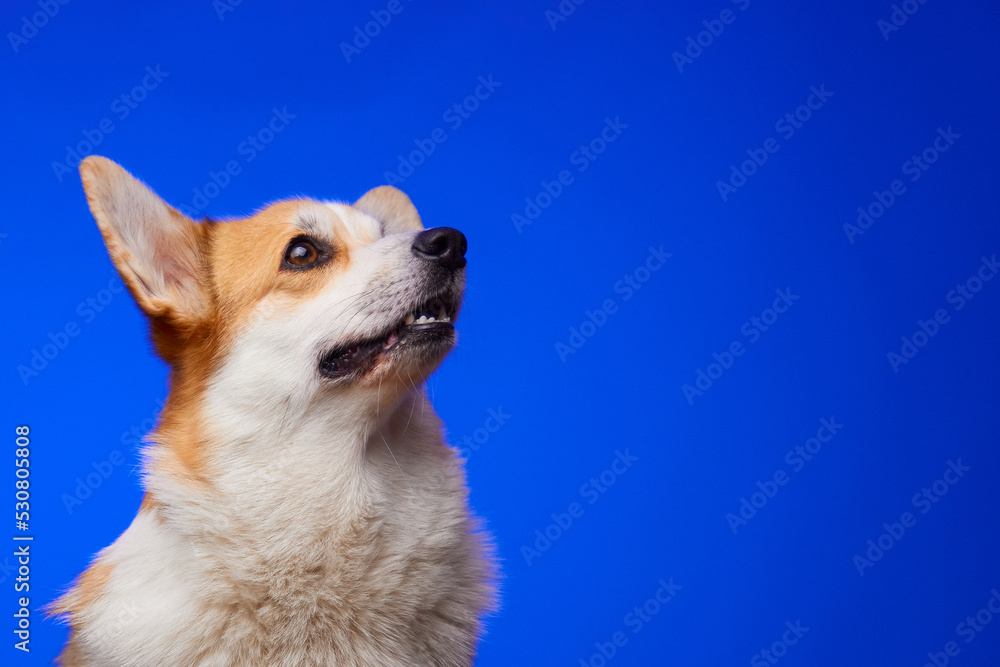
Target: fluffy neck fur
{"x":312,"y":543}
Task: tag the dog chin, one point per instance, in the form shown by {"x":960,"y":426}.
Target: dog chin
{"x":409,"y":351}
{"x":416,"y":353}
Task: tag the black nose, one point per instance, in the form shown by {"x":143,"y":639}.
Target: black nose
{"x":443,"y":245}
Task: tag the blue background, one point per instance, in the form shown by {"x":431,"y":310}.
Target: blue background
{"x":622,"y":390}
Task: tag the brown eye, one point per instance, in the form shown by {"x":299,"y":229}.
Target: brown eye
{"x":301,"y":254}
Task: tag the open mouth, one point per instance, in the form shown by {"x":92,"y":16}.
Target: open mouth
{"x":428,"y":326}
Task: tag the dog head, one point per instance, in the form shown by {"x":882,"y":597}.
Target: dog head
{"x":301,"y":300}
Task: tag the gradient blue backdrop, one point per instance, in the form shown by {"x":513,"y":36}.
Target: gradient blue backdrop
{"x":655,"y":185}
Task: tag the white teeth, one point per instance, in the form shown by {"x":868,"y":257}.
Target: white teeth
{"x":425,"y":319}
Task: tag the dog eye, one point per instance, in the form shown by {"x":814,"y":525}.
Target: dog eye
{"x":301,"y":253}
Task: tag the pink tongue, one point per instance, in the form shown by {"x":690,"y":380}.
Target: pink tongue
{"x":390,"y":341}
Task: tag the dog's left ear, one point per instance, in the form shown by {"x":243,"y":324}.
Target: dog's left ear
{"x":392,"y":207}
{"x":156,"y":249}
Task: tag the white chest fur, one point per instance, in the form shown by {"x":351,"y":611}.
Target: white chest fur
{"x":368,"y":556}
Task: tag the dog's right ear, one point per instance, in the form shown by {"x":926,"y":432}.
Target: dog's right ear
{"x":392,"y":208}
{"x":156,"y":249}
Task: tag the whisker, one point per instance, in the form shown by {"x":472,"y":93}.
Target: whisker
{"x":412,"y":405}
{"x":389,"y":449}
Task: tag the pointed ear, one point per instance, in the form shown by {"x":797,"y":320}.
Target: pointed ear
{"x":391,"y":206}
{"x":156,"y":249}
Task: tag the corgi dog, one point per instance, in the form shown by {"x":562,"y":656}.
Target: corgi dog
{"x":301,"y":505}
